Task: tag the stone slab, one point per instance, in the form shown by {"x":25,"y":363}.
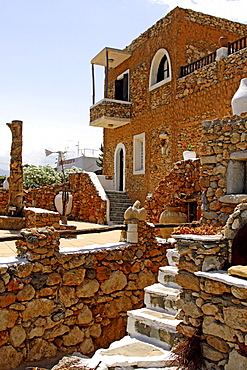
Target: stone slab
{"x":233,"y":198}
{"x":240,"y":271}
{"x":223,"y":277}
{"x":129,"y":352}
{"x":203,"y":238}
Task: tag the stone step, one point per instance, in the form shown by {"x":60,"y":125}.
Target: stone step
{"x":153,"y":327}
{"x":131,"y":353}
{"x":167,"y":276}
{"x":172,"y":256}
{"x":162,"y":298}
{"x":120,"y":196}
{"x":115,"y":204}
{"x":119,"y":212}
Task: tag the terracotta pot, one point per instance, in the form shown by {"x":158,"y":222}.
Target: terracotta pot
{"x":171,"y":215}
{"x":223,"y":41}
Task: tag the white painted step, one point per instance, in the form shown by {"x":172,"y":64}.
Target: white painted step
{"x":153,"y":327}
{"x":172,"y":256}
{"x":162,"y":298}
{"x":131,"y":353}
{"x":167,"y":276}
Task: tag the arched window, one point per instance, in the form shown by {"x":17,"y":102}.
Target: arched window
{"x":160,"y":72}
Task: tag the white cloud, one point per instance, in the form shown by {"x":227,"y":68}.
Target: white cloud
{"x":229,"y":9}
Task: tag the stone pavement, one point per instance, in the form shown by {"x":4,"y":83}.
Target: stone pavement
{"x":7,"y":249}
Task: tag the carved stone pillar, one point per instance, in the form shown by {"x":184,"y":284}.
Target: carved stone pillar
{"x":15,"y":205}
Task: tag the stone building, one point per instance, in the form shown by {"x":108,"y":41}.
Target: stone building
{"x":159,"y":89}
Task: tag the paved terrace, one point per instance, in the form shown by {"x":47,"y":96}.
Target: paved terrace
{"x":8,"y":249}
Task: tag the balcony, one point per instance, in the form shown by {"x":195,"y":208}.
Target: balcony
{"x":232,"y":47}
{"x":110,"y":113}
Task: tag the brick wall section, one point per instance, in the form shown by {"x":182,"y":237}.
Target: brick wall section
{"x":71,"y":302}
{"x":220,"y":138}
{"x":176,"y":189}
{"x":179,"y":106}
{"x":217,"y":306}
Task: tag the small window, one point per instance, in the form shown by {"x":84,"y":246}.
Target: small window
{"x":160,"y":72}
{"x":122,"y":87}
{"x":139,"y":154}
{"x":163,"y":70}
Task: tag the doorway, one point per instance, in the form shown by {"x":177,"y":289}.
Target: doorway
{"x":119,"y":167}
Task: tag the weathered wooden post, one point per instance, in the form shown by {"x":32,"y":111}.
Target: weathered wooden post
{"x":15,"y":204}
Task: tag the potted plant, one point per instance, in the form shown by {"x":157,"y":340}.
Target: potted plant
{"x":188,"y":153}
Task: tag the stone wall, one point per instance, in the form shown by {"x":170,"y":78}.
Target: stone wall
{"x":38,"y":217}
{"x":89,"y":204}
{"x":176,"y":189}
{"x":64,"y":302}
{"x":213,"y":302}
{"x":179,"y":106}
{"x":223,"y":146}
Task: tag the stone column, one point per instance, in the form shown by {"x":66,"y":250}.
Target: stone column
{"x":15,"y":204}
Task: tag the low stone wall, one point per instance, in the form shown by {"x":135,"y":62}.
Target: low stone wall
{"x":12,"y":223}
{"x":37,"y":217}
{"x":213,"y":303}
{"x":89,"y":204}
{"x":202,"y":252}
{"x":55,"y":302}
{"x":177,"y":188}
{"x":216,"y":303}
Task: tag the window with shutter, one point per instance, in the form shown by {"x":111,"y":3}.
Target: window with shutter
{"x":139,"y":154}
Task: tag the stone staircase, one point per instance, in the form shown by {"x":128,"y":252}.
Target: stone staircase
{"x":156,"y":323}
{"x":119,"y":202}
{"x":151,"y":330}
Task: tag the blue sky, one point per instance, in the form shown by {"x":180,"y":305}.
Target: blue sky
{"x":45,"y":75}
